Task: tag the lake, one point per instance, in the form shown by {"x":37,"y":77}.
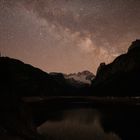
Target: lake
{"x":74,"y":118}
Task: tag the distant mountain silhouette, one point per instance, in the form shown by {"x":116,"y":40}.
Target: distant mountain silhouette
{"x":84,"y":77}
{"x":121,"y":77}
{"x":25,"y":80}
{"x":18,"y":80}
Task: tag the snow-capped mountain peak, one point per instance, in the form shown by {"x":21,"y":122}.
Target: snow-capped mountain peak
{"x":83,"y":77}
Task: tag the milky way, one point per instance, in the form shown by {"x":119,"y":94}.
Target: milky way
{"x":67,"y":35}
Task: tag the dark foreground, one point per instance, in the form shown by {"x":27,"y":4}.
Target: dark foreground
{"x":118,"y":118}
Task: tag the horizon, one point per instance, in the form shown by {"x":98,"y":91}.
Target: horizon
{"x":67,"y":36}
{"x":4,"y":56}
{"x":75,"y":72}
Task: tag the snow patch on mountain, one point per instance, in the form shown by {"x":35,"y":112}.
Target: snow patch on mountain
{"x":83,"y":77}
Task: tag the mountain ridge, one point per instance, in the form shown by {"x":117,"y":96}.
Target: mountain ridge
{"x":18,"y":80}
{"x":121,"y":77}
{"x":28,"y":80}
{"x":83,"y":77}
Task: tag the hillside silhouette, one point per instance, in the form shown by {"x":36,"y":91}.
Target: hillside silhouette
{"x":25,"y":80}
{"x":121,"y":77}
{"x":19,"y":80}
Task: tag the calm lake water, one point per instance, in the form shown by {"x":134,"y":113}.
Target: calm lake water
{"x":92,"y":123}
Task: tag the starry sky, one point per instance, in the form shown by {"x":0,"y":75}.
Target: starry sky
{"x":68,"y":35}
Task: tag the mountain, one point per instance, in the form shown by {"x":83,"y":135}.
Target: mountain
{"x":121,"y":77}
{"x":25,"y":80}
{"x":19,"y":80}
{"x":70,"y":81}
{"x":84,"y":77}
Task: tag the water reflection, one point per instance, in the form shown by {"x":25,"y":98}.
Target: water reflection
{"x":76,"y":124}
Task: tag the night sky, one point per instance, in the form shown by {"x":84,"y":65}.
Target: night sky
{"x":68,"y":35}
